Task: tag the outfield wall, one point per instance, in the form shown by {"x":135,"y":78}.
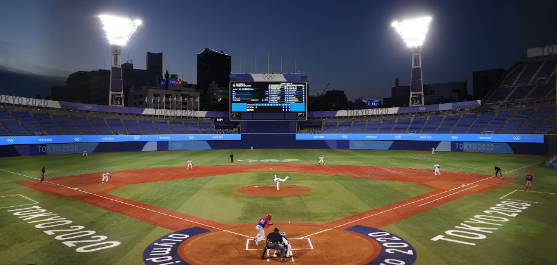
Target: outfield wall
{"x":271,"y":141}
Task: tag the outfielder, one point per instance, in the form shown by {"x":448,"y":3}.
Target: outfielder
{"x":85,"y":153}
{"x":190,"y":164}
{"x":278,"y":180}
{"x":436,"y":170}
{"x":529,"y":179}
{"x":105,"y":177}
{"x":286,"y":245}
{"x":321,"y":160}
{"x":432,"y":151}
{"x":263,"y":223}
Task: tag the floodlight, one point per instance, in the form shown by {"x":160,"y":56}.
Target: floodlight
{"x":118,"y":30}
{"x":413,"y":31}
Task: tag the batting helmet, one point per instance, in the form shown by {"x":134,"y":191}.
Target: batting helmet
{"x":269,"y":216}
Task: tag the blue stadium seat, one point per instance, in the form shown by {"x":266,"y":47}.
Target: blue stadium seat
{"x":529,"y":126}
{"x":4,"y":131}
{"x":66,"y":124}
{"x":358,"y":126}
{"x":101,"y":125}
{"x":528,"y":73}
{"x":432,"y":124}
{"x":148,"y":127}
{"x":133,"y":127}
{"x":192,"y":127}
{"x":29,"y":122}
{"x":48,"y":123}
{"x":499,"y":120}
{"x":544,"y":112}
{"x":520,"y":93}
{"x":177,"y":127}
{"x":330,"y":127}
{"x":524,"y":113}
{"x":163,"y":127}
{"x":447,"y":124}
{"x":386,"y":126}
{"x":416,"y":125}
{"x":509,"y":80}
{"x":500,"y":94}
{"x":464,"y":123}
{"x":511,"y":126}
{"x":84,"y":125}
{"x":401,"y":125}
{"x":15,"y":128}
{"x":541,"y":91}
{"x":206,"y":127}
{"x":117,"y":126}
{"x":480,"y":123}
{"x":548,"y":125}
{"x":344,"y":127}
{"x":6,"y":115}
{"x":372,"y":126}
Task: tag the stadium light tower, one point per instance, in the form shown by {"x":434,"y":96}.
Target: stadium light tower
{"x":118,"y":31}
{"x":413,"y":33}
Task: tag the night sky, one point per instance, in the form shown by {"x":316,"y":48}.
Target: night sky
{"x":348,"y":43}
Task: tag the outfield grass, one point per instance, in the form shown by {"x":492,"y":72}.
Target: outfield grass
{"x":526,"y":239}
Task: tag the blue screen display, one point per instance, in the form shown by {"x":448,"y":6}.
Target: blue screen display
{"x":504,"y":138}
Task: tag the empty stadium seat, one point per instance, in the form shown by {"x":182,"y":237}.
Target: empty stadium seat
{"x":101,"y":125}
{"x":192,"y":127}
{"x":4,"y":131}
{"x":330,"y":127}
{"x":448,"y":124}
{"x":15,"y":128}
{"x":163,"y":127}
{"x":358,"y":126}
{"x":386,"y":126}
{"x":528,"y":73}
{"x":29,"y":122}
{"x":481,"y":122}
{"x":529,"y":126}
{"x":177,"y":127}
{"x":401,"y":125}
{"x":416,"y":125}
{"x":84,"y":125}
{"x":432,"y":124}
{"x":548,"y":125}
{"x":499,"y":120}
{"x":511,"y":126}
{"x":524,"y":113}
{"x":464,"y":123}
{"x":66,"y":124}
{"x":133,"y":127}
{"x":117,"y":126}
{"x":520,"y":93}
{"x":372,"y":126}
{"x":48,"y":123}
{"x":4,"y":114}
{"x":148,"y":127}
{"x":544,"y":112}
{"x":513,"y":74}
{"x":541,"y":91}
{"x":500,"y":94}
{"x":344,"y":127}
{"x":206,"y":127}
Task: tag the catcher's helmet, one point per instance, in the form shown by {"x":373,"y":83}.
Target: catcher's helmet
{"x":283,"y":233}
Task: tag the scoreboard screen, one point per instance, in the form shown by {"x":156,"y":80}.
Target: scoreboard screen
{"x":268,"y":100}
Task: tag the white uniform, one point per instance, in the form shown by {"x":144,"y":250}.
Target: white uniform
{"x":190,"y":164}
{"x":432,"y":151}
{"x":321,"y":160}
{"x":105,"y":177}
{"x":436,"y":166}
{"x":85,"y":153}
{"x":278,"y":180}
{"x":286,"y":244}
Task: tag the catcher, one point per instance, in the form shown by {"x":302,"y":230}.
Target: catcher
{"x":286,"y":245}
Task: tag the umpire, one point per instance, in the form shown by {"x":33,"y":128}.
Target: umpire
{"x":231,"y":158}
{"x":498,"y":170}
{"x":274,"y":240}
{"x":42,"y":174}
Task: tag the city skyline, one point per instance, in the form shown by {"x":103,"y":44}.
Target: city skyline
{"x":351,"y":45}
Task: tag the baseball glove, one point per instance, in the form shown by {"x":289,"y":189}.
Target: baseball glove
{"x":270,"y":224}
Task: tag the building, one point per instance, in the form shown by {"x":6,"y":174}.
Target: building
{"x":484,"y":81}
{"x":90,"y":87}
{"x":172,"y":94}
{"x":216,"y":98}
{"x":433,"y":94}
{"x":213,"y":66}
{"x":331,"y":100}
{"x":155,"y":65}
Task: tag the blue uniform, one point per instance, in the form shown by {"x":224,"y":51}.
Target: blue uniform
{"x":263,"y":222}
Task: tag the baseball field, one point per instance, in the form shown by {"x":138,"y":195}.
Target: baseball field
{"x":362,"y":207}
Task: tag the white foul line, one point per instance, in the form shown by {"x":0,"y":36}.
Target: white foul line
{"x":34,"y":202}
{"x":140,"y":207}
{"x":508,"y":194}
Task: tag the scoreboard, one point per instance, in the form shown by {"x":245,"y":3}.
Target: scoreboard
{"x":268,"y":100}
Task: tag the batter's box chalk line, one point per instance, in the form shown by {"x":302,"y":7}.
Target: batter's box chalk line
{"x":293,"y":241}
{"x":34,"y":202}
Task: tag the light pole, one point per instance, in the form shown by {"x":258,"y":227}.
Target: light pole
{"x":118,"y":31}
{"x":413,"y":33}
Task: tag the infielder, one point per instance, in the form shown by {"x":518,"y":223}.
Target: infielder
{"x":432,"y":151}
{"x":105,"y":177}
{"x":190,"y":164}
{"x":498,"y":170}
{"x":529,"y":179}
{"x":263,"y":223}
{"x":286,"y":245}
{"x":436,"y":170}
{"x":278,"y":180}
{"x":321,"y":160}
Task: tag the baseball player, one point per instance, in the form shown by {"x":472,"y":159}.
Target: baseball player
{"x":263,"y":223}
{"x":432,"y":151}
{"x":190,"y":164}
{"x":85,"y":153}
{"x":498,"y":170}
{"x":529,"y":179}
{"x":105,"y":177}
{"x":42,"y":174}
{"x":286,"y":245}
{"x":321,"y":160}
{"x":278,"y":180}
{"x":436,"y":170}
{"x":274,"y":241}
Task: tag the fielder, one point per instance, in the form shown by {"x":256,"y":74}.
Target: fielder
{"x":85,"y":153}
{"x":432,"y":151}
{"x":105,"y":176}
{"x":436,"y":170}
{"x":529,"y":179}
{"x":263,"y":223}
{"x":286,"y":245}
{"x":278,"y":180}
{"x":498,"y":171}
{"x":321,"y":160}
{"x":190,"y":164}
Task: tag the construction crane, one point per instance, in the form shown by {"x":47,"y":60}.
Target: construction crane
{"x":322,"y":93}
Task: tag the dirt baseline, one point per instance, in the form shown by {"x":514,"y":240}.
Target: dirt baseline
{"x":271,"y":190}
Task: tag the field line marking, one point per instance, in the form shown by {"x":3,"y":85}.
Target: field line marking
{"x":508,"y":194}
{"x":34,"y":202}
{"x":541,"y":192}
{"x":309,"y":241}
{"x":147,"y":209}
{"x":521,"y":200}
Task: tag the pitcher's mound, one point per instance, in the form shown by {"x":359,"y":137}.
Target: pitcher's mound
{"x":271,"y":190}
